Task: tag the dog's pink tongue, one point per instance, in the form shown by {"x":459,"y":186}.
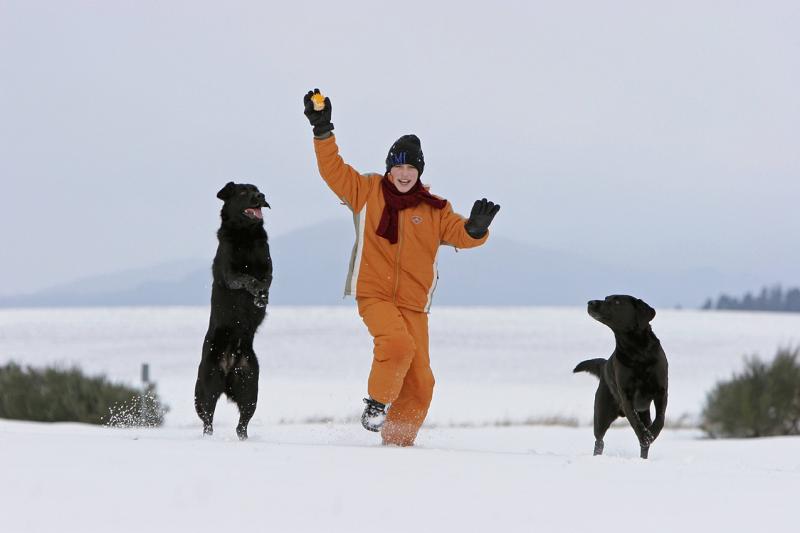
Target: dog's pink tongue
{"x":255,"y":211}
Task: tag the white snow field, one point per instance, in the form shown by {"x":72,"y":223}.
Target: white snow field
{"x":484,"y":461}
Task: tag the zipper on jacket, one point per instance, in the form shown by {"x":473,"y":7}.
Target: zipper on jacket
{"x":397,"y":257}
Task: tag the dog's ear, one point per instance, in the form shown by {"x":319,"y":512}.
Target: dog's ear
{"x":645,"y":312}
{"x":226,"y":192}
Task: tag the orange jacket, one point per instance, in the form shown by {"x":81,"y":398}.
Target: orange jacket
{"x":403,"y":273}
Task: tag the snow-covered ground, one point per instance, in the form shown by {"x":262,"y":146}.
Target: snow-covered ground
{"x":310,"y":467}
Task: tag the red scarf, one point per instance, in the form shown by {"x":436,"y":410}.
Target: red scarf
{"x":397,"y":201}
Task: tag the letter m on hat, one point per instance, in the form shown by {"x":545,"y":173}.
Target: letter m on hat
{"x":399,"y":159}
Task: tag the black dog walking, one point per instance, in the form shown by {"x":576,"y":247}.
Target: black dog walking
{"x":634,"y":376}
{"x":242,"y":276}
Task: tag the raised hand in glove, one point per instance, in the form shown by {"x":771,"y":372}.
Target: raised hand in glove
{"x":481,"y":216}
{"x":321,"y":120}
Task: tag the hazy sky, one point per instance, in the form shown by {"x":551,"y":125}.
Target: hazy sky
{"x":652,"y":134}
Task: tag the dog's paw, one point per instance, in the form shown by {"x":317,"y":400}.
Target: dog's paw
{"x":598,"y":447}
{"x":646,"y":438}
{"x":260,"y":302}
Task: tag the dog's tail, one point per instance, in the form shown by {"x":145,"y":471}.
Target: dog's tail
{"x":592,"y":366}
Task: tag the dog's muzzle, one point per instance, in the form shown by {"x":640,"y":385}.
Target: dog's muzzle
{"x":593,"y":308}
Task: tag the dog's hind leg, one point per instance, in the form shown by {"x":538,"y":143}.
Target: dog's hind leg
{"x":207,"y":390}
{"x":598,"y":447}
{"x":606,"y":411}
{"x":242,"y":388}
{"x":210,"y":377}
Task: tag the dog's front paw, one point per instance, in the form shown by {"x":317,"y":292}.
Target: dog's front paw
{"x":646,"y":438}
{"x":260,"y":301}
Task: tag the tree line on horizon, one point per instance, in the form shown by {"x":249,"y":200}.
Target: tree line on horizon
{"x":769,"y":299}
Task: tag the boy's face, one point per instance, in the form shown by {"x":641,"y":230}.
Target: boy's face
{"x":404,"y":177}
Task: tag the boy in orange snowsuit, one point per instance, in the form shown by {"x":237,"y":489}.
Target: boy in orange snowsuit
{"x":399,"y":228}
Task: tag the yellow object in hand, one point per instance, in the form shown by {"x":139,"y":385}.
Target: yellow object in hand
{"x":319,"y":101}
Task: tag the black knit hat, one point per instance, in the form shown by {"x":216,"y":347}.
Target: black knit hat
{"x":406,"y":150}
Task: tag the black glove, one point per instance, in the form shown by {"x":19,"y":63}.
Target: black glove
{"x":321,"y":120}
{"x":482,"y":214}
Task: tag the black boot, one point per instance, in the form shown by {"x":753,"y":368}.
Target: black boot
{"x":374,"y":415}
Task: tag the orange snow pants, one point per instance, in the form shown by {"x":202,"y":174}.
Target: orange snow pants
{"x":401,"y":371}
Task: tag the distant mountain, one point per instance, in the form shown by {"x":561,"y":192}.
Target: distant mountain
{"x":311,"y":265}
{"x":163,"y":284}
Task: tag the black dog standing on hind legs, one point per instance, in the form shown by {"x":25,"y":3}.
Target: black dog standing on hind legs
{"x":242,"y":276}
{"x":634,"y":376}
